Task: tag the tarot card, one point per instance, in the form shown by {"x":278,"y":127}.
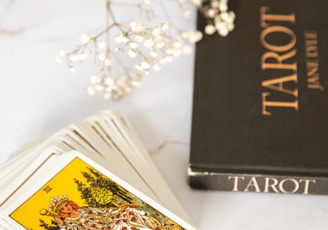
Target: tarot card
{"x":114,"y":124}
{"x":25,"y":163}
{"x":113,"y":158}
{"x":79,"y":193}
{"x":71,"y":138}
{"x":11,"y":181}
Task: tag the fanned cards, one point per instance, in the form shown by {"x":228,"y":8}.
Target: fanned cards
{"x":94,"y":174}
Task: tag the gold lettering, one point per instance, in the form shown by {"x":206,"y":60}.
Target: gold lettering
{"x":278,"y":84}
{"x":274,"y":17}
{"x":311,"y":51}
{"x":311,"y":35}
{"x":273,"y":185}
{"x":306,"y":185}
{"x":316,"y":84}
{"x":279,"y":61}
{"x":311,"y":44}
{"x":283,"y":190}
{"x":313,"y":81}
{"x":266,"y":103}
{"x":312,"y":62}
{"x":252,"y":183}
{"x":312,"y":66}
{"x":235,"y":183}
{"x":279,"y":56}
{"x":278,"y":29}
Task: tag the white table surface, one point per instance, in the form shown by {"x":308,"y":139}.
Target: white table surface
{"x":39,"y":96}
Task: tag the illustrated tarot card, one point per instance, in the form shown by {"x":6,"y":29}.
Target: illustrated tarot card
{"x":79,"y":193}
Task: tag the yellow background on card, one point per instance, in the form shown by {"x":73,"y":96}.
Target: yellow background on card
{"x":28,"y":214}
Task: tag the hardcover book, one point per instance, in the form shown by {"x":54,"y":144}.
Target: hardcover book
{"x":260,"y":103}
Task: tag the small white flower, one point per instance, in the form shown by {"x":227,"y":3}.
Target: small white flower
{"x":156,"y":31}
{"x":137,"y":27}
{"x":211,"y":13}
{"x":160,"y":45}
{"x":148,"y":43}
{"x":138,"y":38}
{"x":223,"y":6}
{"x":83,"y":56}
{"x":157,"y":67}
{"x":59,"y":58}
{"x":133,"y":45}
{"x":108,"y":61}
{"x":109,"y":81}
{"x":166,"y":59}
{"x":84,"y":38}
{"x":99,"y":87}
{"x":195,"y":36}
{"x":187,"y":49}
{"x":215,"y":4}
{"x":153,"y":53}
{"x":74,"y":57}
{"x":91,"y":90}
{"x":62,"y":53}
{"x":210,"y":29}
{"x":225,"y":16}
{"x":139,"y":67}
{"x":121,"y":38}
{"x":132,"y":53}
{"x":164,"y":26}
{"x":95,"y":79}
{"x":72,"y":69}
{"x":187,"y":13}
{"x":101,"y":57}
{"x":223,"y":31}
{"x":197,"y":2}
{"x":145,"y":65}
{"x":101,"y":44}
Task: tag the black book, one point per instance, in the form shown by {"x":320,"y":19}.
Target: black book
{"x":260,"y":107}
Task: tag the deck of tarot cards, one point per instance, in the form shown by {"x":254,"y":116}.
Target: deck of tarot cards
{"x":94,"y":174}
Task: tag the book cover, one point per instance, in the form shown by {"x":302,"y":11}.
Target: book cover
{"x":260,"y":105}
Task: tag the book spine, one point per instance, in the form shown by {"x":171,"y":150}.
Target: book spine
{"x":264,"y":183}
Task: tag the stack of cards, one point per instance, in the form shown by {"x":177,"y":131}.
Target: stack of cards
{"x":95,"y":174}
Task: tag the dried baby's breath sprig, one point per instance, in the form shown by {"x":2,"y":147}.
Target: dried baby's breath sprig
{"x":153,"y":46}
{"x":149,"y":47}
{"x":219,"y":19}
{"x":88,"y":46}
{"x":111,"y":83}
